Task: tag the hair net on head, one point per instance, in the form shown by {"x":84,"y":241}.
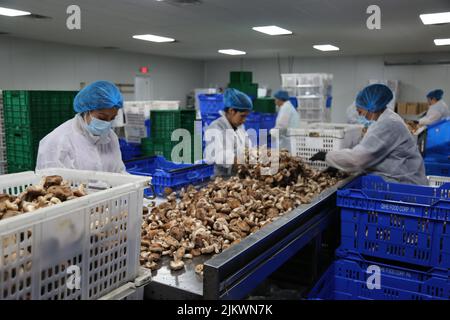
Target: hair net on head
{"x":235,"y":99}
{"x":435,"y":94}
{"x":374,"y":97}
{"x":98,"y":95}
{"x":282,"y":95}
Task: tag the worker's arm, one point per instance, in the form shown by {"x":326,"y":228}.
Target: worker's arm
{"x":376,"y":145}
{"x":432,"y":116}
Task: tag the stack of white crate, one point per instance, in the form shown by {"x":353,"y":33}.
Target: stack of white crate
{"x":316,"y":137}
{"x":394,"y":85}
{"x":313,"y":91}
{"x":3,"y":161}
{"x":137,"y":112}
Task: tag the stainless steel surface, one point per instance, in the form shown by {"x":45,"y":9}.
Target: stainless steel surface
{"x":185,"y":279}
{"x":189,"y":282}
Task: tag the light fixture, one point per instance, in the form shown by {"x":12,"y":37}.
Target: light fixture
{"x":435,"y":18}
{"x":153,"y":38}
{"x":326,"y":47}
{"x":13,"y":12}
{"x":232,"y":52}
{"x":272,"y":30}
{"x":442,"y":42}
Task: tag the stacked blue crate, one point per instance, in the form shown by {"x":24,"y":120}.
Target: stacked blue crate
{"x":129,"y":150}
{"x":391,"y":225}
{"x":167,"y":174}
{"x":437,"y":149}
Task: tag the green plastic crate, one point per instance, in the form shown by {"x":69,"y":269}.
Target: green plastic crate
{"x":250,"y":89}
{"x":241,"y":77}
{"x":37,"y":109}
{"x":165,"y":122}
{"x":161,"y":147}
{"x":264,"y":105}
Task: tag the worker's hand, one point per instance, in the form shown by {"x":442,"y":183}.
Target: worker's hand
{"x":319,"y":156}
{"x":331,"y":171}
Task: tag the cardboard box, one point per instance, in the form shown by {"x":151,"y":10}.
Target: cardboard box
{"x":412,"y":108}
{"x":423,"y":107}
{"x":401,"y":108}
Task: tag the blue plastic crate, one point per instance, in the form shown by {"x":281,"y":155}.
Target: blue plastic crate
{"x":294,"y":102}
{"x":253,"y":121}
{"x":129,"y":150}
{"x":148,"y":125}
{"x":346,"y":279}
{"x":169,"y":174}
{"x":437,"y":168}
{"x":438,"y":138}
{"x":211,"y":103}
{"x":398,"y":222}
{"x":268,"y":120}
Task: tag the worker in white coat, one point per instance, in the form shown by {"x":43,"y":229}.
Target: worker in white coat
{"x":287,"y":118}
{"x":388,"y":149}
{"x":87,"y":141}
{"x":438,"y":109}
{"x":226,"y":138}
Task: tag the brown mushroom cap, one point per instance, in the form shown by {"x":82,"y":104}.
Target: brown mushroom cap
{"x":52,"y":181}
{"x":62,"y":193}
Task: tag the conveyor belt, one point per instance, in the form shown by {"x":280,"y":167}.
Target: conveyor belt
{"x":233,"y":273}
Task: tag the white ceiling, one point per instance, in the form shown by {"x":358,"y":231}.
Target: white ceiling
{"x":203,"y":29}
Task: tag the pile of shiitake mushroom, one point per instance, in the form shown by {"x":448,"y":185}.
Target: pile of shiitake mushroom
{"x":213,"y":218}
{"x":52,"y":190}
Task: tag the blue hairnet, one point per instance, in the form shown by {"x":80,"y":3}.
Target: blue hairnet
{"x":436,"y":94}
{"x":235,"y":99}
{"x":98,"y":95}
{"x":282,"y":95}
{"x":374,"y":97}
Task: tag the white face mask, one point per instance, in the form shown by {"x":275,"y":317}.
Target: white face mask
{"x":99,"y":127}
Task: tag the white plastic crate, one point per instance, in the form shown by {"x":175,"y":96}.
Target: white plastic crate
{"x":314,"y":79}
{"x":289,"y":80}
{"x":3,"y":168}
{"x":308,"y":91}
{"x":136,"y":112}
{"x":132,"y":290}
{"x":293,"y":80}
{"x":134,"y":134}
{"x":94,"y":239}
{"x":323,"y":137}
{"x":311,"y":103}
{"x":312,"y":115}
{"x":436,"y":181}
{"x":165,"y":105}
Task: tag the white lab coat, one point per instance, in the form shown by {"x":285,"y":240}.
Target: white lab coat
{"x":287,"y":118}
{"x":231,"y":144}
{"x":72,"y":146}
{"x":388,"y":149}
{"x":437,"y":111}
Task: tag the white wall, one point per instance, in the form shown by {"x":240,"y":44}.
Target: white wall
{"x":350,"y":75}
{"x":35,"y":65}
